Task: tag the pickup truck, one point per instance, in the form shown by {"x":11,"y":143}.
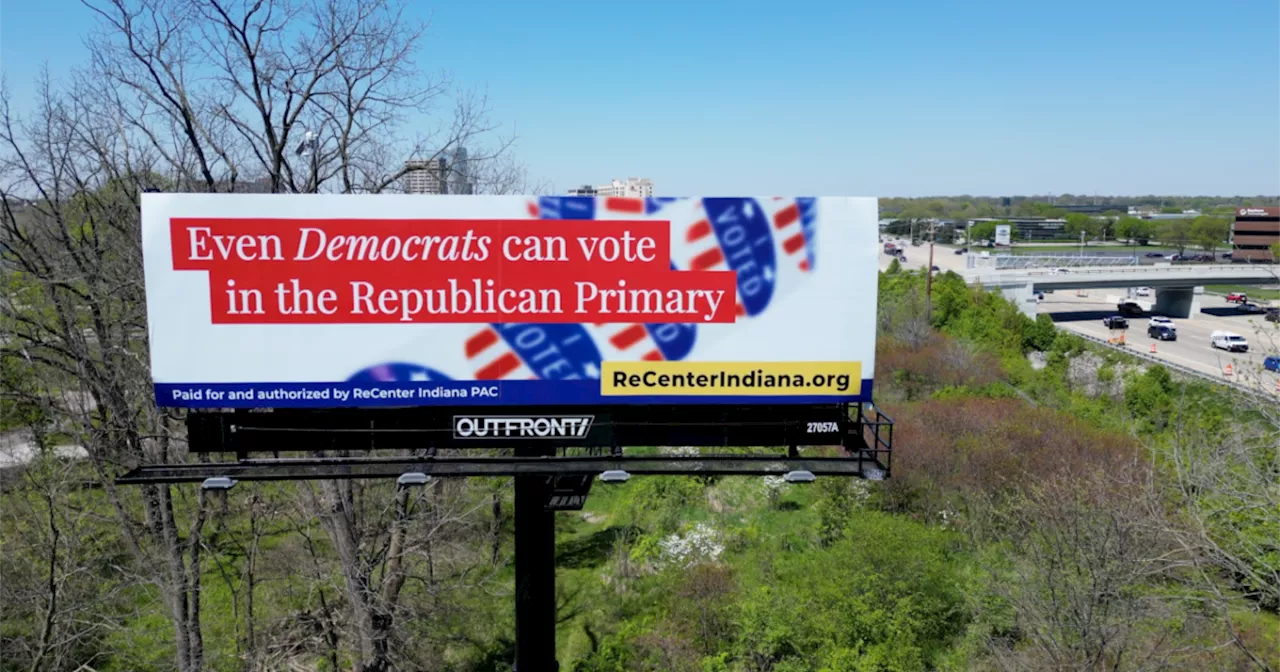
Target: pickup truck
{"x":1115,"y":322}
{"x":1225,"y":340}
{"x":1237,"y":297}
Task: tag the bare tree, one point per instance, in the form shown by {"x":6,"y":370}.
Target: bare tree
{"x":204,"y":95}
{"x":1081,"y":585}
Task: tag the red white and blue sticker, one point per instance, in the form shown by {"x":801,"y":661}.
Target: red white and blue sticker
{"x":735,"y":234}
{"x":623,"y":342}
{"x":396,"y":372}
{"x":533,"y":352}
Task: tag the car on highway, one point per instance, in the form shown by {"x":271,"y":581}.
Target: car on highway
{"x":1272,"y":363}
{"x":1129,"y":308}
{"x":1162,"y":332}
{"x":1161,"y":320}
{"x":1115,"y":322}
{"x":1154,"y":255}
{"x":1251,"y":308}
{"x":1142,"y":291}
{"x":1273,"y":315}
{"x":1237,"y":297}
{"x":1226,"y":340}
{"x":962,"y":250}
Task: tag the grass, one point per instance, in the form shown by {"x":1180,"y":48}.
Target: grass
{"x":1253,"y":292}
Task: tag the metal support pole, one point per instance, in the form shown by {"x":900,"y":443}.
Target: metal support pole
{"x":928,"y":281}
{"x":535,"y":573}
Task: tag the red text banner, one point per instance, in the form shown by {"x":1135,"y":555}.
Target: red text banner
{"x":282,"y":271}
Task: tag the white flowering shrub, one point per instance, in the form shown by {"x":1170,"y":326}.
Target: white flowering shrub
{"x":701,"y":543}
{"x":859,"y":491}
{"x":774,"y":486}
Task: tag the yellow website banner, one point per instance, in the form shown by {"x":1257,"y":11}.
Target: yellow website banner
{"x":765,"y":379}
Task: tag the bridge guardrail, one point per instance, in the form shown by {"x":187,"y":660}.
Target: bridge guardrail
{"x":996,"y":277}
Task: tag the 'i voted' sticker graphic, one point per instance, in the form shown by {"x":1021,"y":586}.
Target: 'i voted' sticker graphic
{"x":533,"y":352}
{"x":794,"y":225}
{"x":396,"y":372}
{"x":735,"y":234}
{"x":623,"y":342}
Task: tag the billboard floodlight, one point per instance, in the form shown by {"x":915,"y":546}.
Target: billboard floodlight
{"x":412,"y":478}
{"x":799,"y":477}
{"x":615,"y":476}
{"x":218,"y":483}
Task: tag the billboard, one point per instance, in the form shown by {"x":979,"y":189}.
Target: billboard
{"x":1003,"y":234}
{"x":319,"y":300}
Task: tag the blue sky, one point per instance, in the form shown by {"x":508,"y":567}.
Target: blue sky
{"x":894,"y":98}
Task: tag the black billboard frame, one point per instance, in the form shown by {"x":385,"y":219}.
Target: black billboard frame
{"x":550,"y":472}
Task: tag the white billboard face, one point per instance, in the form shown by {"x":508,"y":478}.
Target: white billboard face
{"x":323,"y":300}
{"x":1003,"y":234}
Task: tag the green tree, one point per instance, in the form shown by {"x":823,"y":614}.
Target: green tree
{"x":1177,"y":233}
{"x":1078,"y":223}
{"x":1132,"y":229}
{"x":1275,"y":252}
{"x":983,"y":231}
{"x":1210,"y":232}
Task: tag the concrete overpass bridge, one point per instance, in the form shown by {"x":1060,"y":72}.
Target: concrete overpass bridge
{"x":1176,"y":286}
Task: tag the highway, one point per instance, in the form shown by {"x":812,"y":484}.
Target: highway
{"x":1083,"y":315}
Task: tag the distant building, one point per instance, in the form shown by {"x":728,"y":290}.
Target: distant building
{"x":1031,"y":228}
{"x":426,"y":177}
{"x":1253,"y":233}
{"x":1185,"y":214}
{"x":633,"y":187}
{"x":261,"y":185}
{"x":1094,"y":209}
{"x":584,"y":190}
{"x":460,"y":179}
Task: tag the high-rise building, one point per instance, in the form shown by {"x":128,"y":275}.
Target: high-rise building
{"x":426,"y":177}
{"x":460,"y":178}
{"x":632,"y":186}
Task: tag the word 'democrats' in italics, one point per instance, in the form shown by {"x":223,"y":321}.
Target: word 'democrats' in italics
{"x":273,"y":271}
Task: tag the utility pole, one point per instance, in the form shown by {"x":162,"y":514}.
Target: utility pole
{"x":928,"y":280}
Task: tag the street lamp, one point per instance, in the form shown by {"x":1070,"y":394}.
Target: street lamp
{"x":615,"y":476}
{"x":800,"y":476}
{"x":218,"y":483}
{"x":412,"y":478}
{"x":310,"y":146}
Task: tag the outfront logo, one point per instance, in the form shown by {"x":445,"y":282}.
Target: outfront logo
{"x":521,"y":426}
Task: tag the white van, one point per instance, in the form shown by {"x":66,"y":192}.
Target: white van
{"x":1225,"y":340}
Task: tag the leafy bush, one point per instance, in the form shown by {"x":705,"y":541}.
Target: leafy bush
{"x":948,"y":452}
